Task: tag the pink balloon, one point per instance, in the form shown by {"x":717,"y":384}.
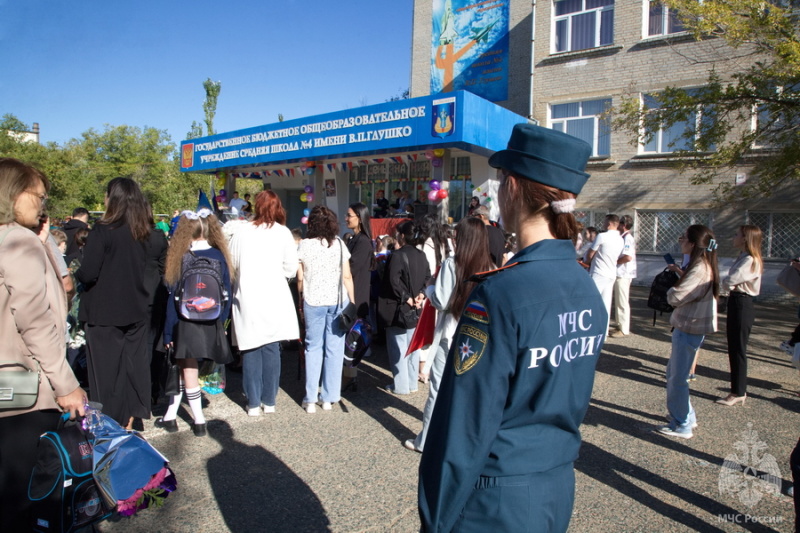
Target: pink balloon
{"x":309,"y":197}
{"x":442,"y":194}
{"x":433,"y":195}
{"x":304,"y":220}
{"x":429,"y":154}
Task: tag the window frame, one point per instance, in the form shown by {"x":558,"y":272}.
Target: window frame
{"x":666,"y":16}
{"x":658,"y":137}
{"x":600,"y":121}
{"x":568,"y":17}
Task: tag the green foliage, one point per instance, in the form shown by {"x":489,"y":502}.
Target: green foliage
{"x":764,"y":82}
{"x":213,"y":89}
{"x":80,"y":169}
{"x":404,"y":95}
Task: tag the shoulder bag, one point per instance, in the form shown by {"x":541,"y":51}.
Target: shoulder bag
{"x":407,"y":316}
{"x":789,"y":279}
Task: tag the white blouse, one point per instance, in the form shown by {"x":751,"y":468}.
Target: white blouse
{"x":322,"y":271}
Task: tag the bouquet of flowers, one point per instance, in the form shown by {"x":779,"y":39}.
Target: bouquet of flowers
{"x":212,"y":377}
{"x":130,"y":473}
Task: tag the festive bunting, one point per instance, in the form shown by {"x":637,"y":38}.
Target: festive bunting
{"x":379,"y":161}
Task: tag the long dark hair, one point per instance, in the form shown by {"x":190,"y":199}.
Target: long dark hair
{"x":362,"y":212}
{"x":127,"y":205}
{"x":703,"y":238}
{"x":322,"y":224}
{"x":409,"y":232}
{"x":472,"y":256}
{"x":430,"y":227}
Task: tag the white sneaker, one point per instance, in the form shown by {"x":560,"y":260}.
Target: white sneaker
{"x":268,"y":409}
{"x":310,"y":408}
{"x":255,"y":411}
{"x":326,"y":406}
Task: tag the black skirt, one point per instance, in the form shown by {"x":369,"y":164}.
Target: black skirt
{"x":202,"y":340}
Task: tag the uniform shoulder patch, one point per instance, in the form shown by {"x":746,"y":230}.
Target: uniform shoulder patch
{"x":469,"y":345}
{"x":475,"y":310}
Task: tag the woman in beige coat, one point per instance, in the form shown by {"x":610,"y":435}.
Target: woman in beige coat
{"x":33,"y":310}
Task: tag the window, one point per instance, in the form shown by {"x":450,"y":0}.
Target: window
{"x":584,"y":120}
{"x":777,"y":121}
{"x":680,"y":136}
{"x":658,"y":231}
{"x":460,"y":192}
{"x":582,"y":24}
{"x":592,"y":218}
{"x":663,"y":20}
{"x":781,"y":238}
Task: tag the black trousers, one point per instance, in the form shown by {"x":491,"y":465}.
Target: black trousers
{"x":741,"y":317}
{"x":794,"y":464}
{"x":119,"y":370}
{"x":19,"y":439}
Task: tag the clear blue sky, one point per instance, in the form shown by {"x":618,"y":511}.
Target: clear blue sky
{"x":71,"y":65}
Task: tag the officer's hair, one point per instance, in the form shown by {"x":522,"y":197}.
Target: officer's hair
{"x":536,"y":199}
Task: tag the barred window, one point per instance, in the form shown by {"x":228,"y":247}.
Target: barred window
{"x":592,"y":218}
{"x":781,"y":233}
{"x":658,"y":231}
{"x":460,"y":192}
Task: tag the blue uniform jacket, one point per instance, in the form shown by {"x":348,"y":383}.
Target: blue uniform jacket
{"x":172,"y":309}
{"x":518,"y":379}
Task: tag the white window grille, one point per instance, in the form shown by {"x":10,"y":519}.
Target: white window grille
{"x":781,"y":239}
{"x":585,"y":121}
{"x":582,"y":24}
{"x":658,"y":231}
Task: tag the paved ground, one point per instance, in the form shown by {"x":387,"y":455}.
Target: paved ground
{"x":346,"y":471}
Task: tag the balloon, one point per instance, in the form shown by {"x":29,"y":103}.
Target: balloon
{"x":308,"y":188}
{"x":433,"y":196}
{"x":310,"y":171}
{"x":438,"y":152}
{"x":304,"y":220}
{"x":477,"y":189}
{"x":488,"y":199}
{"x":309,"y":197}
{"x":306,"y":212}
{"x":310,"y":164}
{"x":429,"y":155}
{"x":435,"y":185}
{"x":222,"y":192}
{"x":304,"y":197}
{"x":442,"y":194}
{"x":437,"y":162}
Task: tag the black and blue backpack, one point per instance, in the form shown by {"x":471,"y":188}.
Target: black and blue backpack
{"x":63,"y":493}
{"x":200,"y":294}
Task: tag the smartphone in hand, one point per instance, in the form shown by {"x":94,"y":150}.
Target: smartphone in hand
{"x":668,"y":258}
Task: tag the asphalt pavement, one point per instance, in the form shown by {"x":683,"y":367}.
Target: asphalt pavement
{"x":346,"y":470}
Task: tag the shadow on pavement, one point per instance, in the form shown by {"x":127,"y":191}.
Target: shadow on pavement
{"x":256,"y":491}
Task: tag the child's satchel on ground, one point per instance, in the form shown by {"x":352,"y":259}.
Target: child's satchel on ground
{"x":201,"y":293}
{"x":63,"y":493}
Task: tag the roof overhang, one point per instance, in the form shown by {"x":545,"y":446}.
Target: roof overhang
{"x":453,"y":120}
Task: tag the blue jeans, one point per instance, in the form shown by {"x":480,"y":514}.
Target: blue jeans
{"x":437,"y":370}
{"x":405,"y":370}
{"x":324,"y":352}
{"x":261,"y":374}
{"x":684,"y":348}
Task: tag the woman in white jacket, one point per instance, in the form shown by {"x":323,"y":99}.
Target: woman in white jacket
{"x":264,"y":254}
{"x":448,"y":294}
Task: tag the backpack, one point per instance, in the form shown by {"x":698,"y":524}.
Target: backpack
{"x":356,"y":342}
{"x":200,"y":294}
{"x":657,"y":300}
{"x":63,"y":493}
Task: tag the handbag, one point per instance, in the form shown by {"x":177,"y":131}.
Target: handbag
{"x":789,"y":279}
{"x":19,"y":389}
{"x":348,"y":316}
{"x":172,"y":383}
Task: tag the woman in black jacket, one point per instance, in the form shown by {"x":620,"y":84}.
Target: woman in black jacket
{"x":401,"y":298}
{"x":114,"y":306}
{"x":362,"y":261}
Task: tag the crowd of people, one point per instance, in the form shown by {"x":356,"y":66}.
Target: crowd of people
{"x":509,"y":364}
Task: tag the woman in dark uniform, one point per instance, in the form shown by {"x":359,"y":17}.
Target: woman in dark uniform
{"x":362,"y":261}
{"x":504,"y":433}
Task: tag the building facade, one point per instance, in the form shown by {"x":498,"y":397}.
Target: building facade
{"x":571,"y":62}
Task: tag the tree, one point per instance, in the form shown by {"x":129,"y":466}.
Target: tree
{"x":764,"y":87}
{"x":213,"y":89}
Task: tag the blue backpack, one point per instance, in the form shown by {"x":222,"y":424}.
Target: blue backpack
{"x":63,"y":493}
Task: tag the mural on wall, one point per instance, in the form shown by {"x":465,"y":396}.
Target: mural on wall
{"x":470,"y":48}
